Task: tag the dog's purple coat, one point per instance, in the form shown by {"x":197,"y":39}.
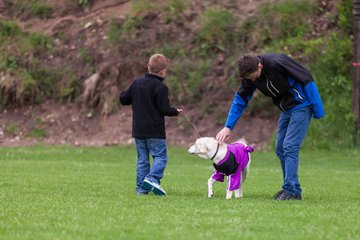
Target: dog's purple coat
{"x":241,"y":153}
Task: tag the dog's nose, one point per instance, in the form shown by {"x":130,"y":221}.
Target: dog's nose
{"x":192,"y":150}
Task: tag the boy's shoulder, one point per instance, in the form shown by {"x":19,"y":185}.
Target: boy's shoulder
{"x":149,"y":80}
{"x":143,"y":79}
{"x":148,"y":76}
{"x":140,"y":78}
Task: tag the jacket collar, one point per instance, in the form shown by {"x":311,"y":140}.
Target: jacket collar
{"x":153,"y":75}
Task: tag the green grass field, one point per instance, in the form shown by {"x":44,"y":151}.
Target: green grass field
{"x":89,"y":193}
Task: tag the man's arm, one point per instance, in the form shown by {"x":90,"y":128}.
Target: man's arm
{"x":239,"y":104}
{"x":313,"y":95}
{"x":237,"y":108}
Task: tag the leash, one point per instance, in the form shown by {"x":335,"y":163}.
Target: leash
{"x":193,"y":125}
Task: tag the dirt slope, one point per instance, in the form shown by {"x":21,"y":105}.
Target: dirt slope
{"x":77,"y":125}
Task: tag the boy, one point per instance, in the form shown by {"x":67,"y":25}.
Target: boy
{"x":148,"y":96}
{"x":293,"y":90}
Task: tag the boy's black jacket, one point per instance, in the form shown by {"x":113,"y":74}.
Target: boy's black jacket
{"x":149,"y":98}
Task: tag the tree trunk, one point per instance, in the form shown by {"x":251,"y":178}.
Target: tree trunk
{"x":356,"y":64}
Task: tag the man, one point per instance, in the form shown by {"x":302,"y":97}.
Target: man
{"x":293,"y":90}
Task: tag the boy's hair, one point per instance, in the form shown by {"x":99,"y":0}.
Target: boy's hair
{"x":158,"y":62}
{"x":247,"y":65}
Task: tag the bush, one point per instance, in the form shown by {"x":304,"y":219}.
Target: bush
{"x":40,"y":9}
{"x":40,"y":42}
{"x":175,"y":10}
{"x":186,"y":78}
{"x":287,"y":28}
{"x":71,"y":88}
{"x":9,"y":29}
{"x":141,"y":7}
{"x":122,"y":30}
{"x":11,"y":129}
{"x":84,"y":3}
{"x":27,"y":79}
{"x":286,"y":19}
{"x":36,"y":133}
{"x":334,"y":81}
{"x":85,"y":56}
{"x":345,"y":19}
{"x":217,"y":31}
{"x":329,"y":59}
{"x":333,"y":73}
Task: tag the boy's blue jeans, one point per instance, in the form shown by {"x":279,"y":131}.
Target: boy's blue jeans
{"x":157,"y":148}
{"x":291,"y":132}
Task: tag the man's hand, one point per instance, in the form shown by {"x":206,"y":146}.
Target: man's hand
{"x":223,"y":135}
{"x":179,"y":110}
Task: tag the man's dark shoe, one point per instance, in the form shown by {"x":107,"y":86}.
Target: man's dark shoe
{"x":285,"y":196}
{"x":298,"y":196}
{"x":277,"y":194}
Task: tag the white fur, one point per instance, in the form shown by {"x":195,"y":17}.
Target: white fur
{"x":205,"y":148}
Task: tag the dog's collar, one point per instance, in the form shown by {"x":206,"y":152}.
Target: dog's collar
{"x":217,"y":149}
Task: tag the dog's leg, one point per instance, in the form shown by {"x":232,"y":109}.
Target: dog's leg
{"x":228,"y":194}
{"x":245,"y":171}
{"x":238,"y":193}
{"x":210,"y":187}
{"x":244,"y":174}
{"x":243,"y":178}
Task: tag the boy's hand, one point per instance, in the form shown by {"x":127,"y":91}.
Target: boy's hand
{"x":179,"y":110}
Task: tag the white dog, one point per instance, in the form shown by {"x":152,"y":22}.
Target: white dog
{"x":231,"y":160}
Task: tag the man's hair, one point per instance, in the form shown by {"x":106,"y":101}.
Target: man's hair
{"x":247,"y":65}
{"x":158,"y":62}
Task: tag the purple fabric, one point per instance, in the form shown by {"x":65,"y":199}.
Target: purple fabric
{"x":241,"y":153}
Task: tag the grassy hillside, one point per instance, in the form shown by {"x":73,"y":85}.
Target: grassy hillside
{"x":203,"y":40}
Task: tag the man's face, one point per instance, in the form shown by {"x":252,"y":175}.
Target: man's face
{"x":253,"y":76}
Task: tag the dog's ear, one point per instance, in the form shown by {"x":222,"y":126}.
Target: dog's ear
{"x":203,"y":148}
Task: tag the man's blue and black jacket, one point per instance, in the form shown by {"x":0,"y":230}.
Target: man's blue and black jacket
{"x":288,"y":83}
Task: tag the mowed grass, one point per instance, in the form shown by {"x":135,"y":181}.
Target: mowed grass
{"x":89,"y":193}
